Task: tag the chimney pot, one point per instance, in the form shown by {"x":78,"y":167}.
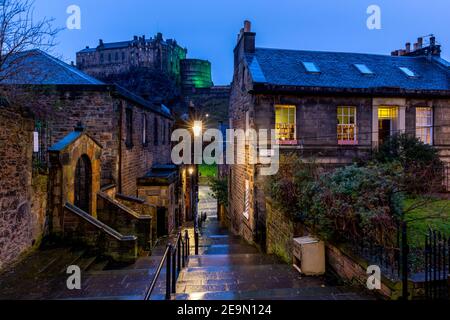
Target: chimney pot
{"x":247,"y":26}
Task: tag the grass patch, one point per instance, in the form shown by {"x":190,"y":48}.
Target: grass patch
{"x":207,"y":171}
{"x":434,"y":214}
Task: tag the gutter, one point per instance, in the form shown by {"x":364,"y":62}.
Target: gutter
{"x":264,"y":88}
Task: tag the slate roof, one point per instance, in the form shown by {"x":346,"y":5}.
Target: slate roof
{"x":285,"y":68}
{"x":36,"y":67}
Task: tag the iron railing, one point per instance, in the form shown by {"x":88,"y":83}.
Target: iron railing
{"x":437,"y":266}
{"x":175,"y":258}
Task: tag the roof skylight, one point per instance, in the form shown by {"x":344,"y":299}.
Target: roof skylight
{"x":408,"y":71}
{"x":363,"y":68}
{"x":311,"y":67}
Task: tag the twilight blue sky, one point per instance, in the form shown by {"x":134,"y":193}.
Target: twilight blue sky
{"x":208,"y":28}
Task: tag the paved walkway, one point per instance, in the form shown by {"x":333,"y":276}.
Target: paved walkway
{"x":229,"y":268}
{"x":42,"y":276}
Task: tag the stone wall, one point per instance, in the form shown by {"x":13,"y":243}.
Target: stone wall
{"x":18,"y":223}
{"x":162,"y":196}
{"x":213,"y":101}
{"x":98,"y":236}
{"x":125,"y":220}
{"x":280,"y":233}
{"x":103,"y":116}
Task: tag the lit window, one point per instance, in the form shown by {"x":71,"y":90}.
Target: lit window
{"x":247,"y":200}
{"x":363,"y":69}
{"x":424,"y":125}
{"x":311,"y":67}
{"x":285,"y":123}
{"x":35,"y":141}
{"x":408,"y":72}
{"x":346,"y":128}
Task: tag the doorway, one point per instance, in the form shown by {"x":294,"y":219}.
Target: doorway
{"x":83,"y":184}
{"x":387,"y":123}
{"x":161,"y":220}
{"x":384,"y":130}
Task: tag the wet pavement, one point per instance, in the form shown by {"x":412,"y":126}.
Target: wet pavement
{"x":228,"y":268}
{"x":42,"y":276}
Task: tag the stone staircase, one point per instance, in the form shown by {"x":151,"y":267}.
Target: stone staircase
{"x":228,"y":268}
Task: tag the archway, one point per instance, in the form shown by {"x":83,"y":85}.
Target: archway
{"x":83,"y":184}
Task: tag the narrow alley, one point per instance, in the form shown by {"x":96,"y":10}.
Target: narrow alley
{"x":228,"y":268}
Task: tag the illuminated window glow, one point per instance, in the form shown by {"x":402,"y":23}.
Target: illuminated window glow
{"x":285,"y":121}
{"x":346,"y":127}
{"x":424,"y":125}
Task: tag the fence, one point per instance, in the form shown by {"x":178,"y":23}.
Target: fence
{"x":437,"y":264}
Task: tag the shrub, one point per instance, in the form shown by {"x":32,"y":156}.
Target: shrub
{"x":357,"y":202}
{"x":291,"y":189}
{"x":423,"y":169}
{"x":219,"y":188}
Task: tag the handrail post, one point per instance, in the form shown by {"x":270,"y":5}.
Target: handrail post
{"x":196,"y":242}
{"x":179,"y":254}
{"x":168,"y":272}
{"x":188,"y":253}
{"x":174,"y":269}
{"x":183,"y":256}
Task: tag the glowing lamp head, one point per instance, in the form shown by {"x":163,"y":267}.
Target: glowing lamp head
{"x":191,"y":171}
{"x":197,"y":128}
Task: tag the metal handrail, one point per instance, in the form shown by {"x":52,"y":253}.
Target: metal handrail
{"x":175,"y":259}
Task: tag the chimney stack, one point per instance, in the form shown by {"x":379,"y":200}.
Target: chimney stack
{"x":100,"y":42}
{"x":419,"y":43}
{"x":432,"y":40}
{"x":408,"y":47}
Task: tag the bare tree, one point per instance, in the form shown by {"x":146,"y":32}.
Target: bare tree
{"x":19,"y":33}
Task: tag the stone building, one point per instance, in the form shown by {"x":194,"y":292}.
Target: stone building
{"x":158,"y":70}
{"x":116,"y":58}
{"x":83,"y":147}
{"x":333,"y":106}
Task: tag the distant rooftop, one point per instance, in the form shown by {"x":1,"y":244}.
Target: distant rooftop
{"x":125,"y":44}
{"x":39,"y":68}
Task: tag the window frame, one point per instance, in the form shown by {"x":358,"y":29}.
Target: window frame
{"x":155,"y":131}
{"x":277,"y":134}
{"x":311,"y":67}
{"x":428,"y":126}
{"x":144,"y":130}
{"x":348,"y":116}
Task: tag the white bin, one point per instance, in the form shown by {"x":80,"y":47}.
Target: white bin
{"x":309,"y":256}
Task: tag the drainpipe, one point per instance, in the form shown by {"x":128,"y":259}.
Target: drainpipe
{"x":120,"y":146}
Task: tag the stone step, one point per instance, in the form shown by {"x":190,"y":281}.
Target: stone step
{"x":85,"y":263}
{"x":312,"y":293}
{"x":233,"y":260}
